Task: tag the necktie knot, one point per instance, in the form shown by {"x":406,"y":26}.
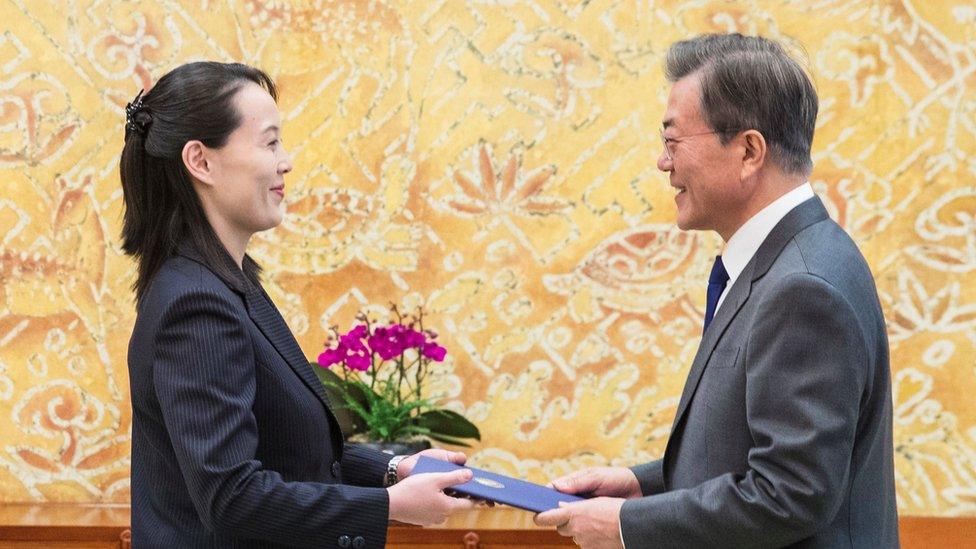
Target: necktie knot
{"x":717,"y":280}
{"x":719,"y":275}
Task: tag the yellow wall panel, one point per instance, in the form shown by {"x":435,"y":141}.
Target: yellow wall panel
{"x":496,"y":161}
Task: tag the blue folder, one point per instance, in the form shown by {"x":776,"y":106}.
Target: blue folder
{"x":498,"y":488}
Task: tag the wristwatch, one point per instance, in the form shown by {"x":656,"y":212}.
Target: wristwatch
{"x":390,"y":478}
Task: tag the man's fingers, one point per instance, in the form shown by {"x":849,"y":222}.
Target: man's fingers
{"x":458,"y":458}
{"x":565,"y":485}
{"x":576,"y":483}
{"x":554,"y":517}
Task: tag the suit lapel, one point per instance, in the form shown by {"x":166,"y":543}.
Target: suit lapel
{"x":272,"y":325}
{"x":737,"y":296}
{"x":267,"y":318}
{"x":799,"y":218}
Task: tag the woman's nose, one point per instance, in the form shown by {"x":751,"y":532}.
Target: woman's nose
{"x":285,"y":165}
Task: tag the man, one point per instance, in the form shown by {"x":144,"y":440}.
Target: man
{"x":782,"y":436}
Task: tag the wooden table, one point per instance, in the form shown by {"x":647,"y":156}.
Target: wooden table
{"x":54,"y":526}
{"x":481,"y":528}
{"x":83,"y":526}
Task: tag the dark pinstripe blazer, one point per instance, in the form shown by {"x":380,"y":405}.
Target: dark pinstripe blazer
{"x":783,"y":432}
{"x":233,"y":443}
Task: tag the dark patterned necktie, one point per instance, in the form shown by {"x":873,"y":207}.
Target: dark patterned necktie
{"x":716,"y":284}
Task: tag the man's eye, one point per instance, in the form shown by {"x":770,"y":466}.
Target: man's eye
{"x":273,"y":143}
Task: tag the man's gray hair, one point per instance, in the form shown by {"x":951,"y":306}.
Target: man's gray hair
{"x":750,"y":82}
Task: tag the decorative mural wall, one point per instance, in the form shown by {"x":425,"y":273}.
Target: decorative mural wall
{"x":494,"y":160}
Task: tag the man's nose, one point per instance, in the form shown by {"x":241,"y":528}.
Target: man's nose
{"x":664,"y":163}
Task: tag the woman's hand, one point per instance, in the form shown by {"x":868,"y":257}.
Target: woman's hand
{"x":405,"y":467}
{"x":420,"y":499}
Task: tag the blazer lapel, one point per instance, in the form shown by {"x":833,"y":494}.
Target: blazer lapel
{"x":272,"y":325}
{"x":736,"y":297}
{"x":799,"y":218}
{"x":267,"y":318}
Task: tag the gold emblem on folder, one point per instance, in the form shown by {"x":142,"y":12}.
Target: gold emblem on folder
{"x":488,"y":482}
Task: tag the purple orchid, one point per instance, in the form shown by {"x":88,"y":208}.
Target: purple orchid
{"x":379,"y":368}
{"x":386,"y":341}
{"x":329,"y":357}
{"x":434,"y":351}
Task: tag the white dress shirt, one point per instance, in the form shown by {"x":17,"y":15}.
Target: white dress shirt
{"x":746,"y":241}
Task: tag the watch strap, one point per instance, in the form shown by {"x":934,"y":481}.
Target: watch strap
{"x":390,"y":478}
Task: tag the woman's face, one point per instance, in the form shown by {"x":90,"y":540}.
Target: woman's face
{"x":248,"y":171}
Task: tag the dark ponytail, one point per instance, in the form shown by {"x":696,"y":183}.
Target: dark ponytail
{"x":191,"y":102}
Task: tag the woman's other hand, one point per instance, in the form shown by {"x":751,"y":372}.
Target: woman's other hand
{"x":421,"y":500}
{"x":405,"y":467}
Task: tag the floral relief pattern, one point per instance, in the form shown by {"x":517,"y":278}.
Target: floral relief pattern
{"x":495,"y":162}
{"x":500,"y":193}
{"x":36,"y":122}
{"x":82,"y":446}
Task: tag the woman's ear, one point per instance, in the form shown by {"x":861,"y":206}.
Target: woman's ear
{"x":753,"y":153}
{"x":197,"y":162}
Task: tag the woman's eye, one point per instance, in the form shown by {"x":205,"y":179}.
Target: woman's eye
{"x":273,"y":143}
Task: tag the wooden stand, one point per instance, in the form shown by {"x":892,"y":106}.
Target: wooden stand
{"x":55,"y":526}
{"x":481,"y":528}
{"x":81,"y":526}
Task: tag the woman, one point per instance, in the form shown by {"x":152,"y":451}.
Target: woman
{"x":233,"y":442}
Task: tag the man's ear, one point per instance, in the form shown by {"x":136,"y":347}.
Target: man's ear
{"x":197,"y":162}
{"x":753,"y":153}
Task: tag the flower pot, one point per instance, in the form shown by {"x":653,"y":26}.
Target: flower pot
{"x":397,"y":448}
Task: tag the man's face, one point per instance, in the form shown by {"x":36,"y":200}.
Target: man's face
{"x":705,"y":172}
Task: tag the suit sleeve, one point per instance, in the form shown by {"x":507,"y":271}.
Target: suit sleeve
{"x":806,"y":366}
{"x":650,"y":475}
{"x":204,"y":377}
{"x":363,"y":466}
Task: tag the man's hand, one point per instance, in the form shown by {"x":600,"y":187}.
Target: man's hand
{"x":593,"y":523}
{"x":615,"y":482}
{"x":405,"y":467}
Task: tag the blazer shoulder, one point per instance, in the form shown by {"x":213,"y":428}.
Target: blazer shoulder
{"x":181,"y":278}
{"x":825,"y":252}
{"x":830,"y":253}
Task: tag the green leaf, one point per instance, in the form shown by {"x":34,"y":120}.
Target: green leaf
{"x":448,"y":440}
{"x":380,"y":414}
{"x":447,"y":424}
{"x":346,"y":399}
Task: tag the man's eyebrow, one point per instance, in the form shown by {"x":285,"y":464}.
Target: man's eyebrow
{"x":270,"y":128}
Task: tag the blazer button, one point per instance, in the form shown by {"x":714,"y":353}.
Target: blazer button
{"x":336,"y":469}
{"x":344,"y":541}
{"x":358,"y":542}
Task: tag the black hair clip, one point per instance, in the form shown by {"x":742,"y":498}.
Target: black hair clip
{"x":137,"y":117}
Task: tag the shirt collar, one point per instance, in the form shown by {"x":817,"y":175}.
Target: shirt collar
{"x":746,"y":240}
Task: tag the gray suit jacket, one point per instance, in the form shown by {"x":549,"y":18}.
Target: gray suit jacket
{"x":783,"y":432}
